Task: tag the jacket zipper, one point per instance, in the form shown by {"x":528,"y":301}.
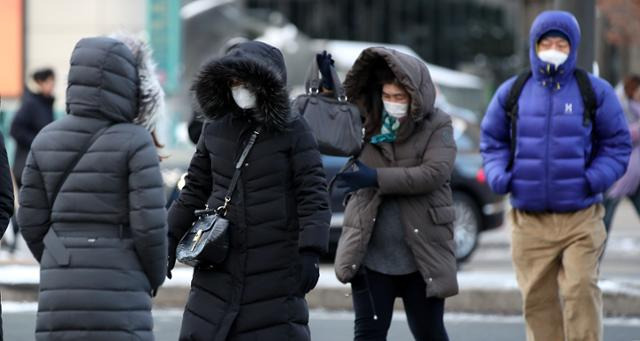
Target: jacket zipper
{"x":548,"y":132}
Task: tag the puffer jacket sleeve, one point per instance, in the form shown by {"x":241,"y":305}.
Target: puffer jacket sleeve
{"x":6,"y":188}
{"x":34,"y":215}
{"x":435,"y":170}
{"x":194,"y":194}
{"x":310,"y":186}
{"x":147,"y":214}
{"x":612,"y":140}
{"x":495,"y":142}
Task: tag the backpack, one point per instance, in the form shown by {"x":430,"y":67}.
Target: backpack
{"x":511,"y":107}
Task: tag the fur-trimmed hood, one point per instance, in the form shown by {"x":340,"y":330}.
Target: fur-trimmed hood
{"x":151,"y":101}
{"x":261,"y":67}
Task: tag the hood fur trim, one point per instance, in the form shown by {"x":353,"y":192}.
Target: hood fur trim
{"x":151,"y":101}
{"x":213,"y":92}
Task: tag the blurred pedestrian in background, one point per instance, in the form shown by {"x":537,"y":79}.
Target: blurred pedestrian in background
{"x":35,"y":112}
{"x":6,"y":198}
{"x":397,"y":236}
{"x":279,"y":212}
{"x":92,"y":201}
{"x":556,"y":157}
{"x":628,"y":186}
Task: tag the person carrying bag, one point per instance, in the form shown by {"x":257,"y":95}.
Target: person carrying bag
{"x":336,"y":123}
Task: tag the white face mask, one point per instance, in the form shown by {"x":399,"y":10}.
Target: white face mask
{"x":244,"y":98}
{"x":396,"y":110}
{"x":552,"y":56}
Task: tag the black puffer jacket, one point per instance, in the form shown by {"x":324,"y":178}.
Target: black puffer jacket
{"x":279,"y":208}
{"x":109,"y":214}
{"x":36,"y":111}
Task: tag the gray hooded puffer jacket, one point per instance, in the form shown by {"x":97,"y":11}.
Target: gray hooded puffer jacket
{"x":109,"y":214}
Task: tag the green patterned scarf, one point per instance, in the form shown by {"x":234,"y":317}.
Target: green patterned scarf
{"x":388,"y":131}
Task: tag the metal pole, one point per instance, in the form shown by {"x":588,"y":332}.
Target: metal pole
{"x":585,"y":12}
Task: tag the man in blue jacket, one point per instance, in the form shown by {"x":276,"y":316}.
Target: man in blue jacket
{"x":562,"y":162}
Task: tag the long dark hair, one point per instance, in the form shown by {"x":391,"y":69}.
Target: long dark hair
{"x":380,"y":75}
{"x":158,"y":145}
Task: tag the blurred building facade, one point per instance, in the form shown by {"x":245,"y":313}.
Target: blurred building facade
{"x":52,"y":28}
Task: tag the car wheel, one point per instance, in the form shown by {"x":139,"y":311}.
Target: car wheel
{"x":466,"y":227}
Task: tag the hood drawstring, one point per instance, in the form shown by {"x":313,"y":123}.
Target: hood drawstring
{"x":373,"y":305}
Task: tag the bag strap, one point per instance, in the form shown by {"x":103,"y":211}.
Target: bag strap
{"x":588,"y":96}
{"x":590,"y":104}
{"x":236,"y":175}
{"x":74,"y":162}
{"x":511,"y":108}
{"x":56,"y":248}
{"x":312,"y":82}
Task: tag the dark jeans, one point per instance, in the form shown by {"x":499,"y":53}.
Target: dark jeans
{"x":375,"y":293}
{"x":610,"y":206}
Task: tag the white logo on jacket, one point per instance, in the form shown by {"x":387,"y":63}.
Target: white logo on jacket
{"x":568,"y":108}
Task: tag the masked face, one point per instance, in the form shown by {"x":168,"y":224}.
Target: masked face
{"x":243,"y":97}
{"x":395,"y":100}
{"x":396,"y":110}
{"x":554,"y":50}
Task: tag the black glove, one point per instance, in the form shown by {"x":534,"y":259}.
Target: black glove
{"x":362,"y":177}
{"x":310,"y":271}
{"x":324,"y":65}
{"x":171,"y":256}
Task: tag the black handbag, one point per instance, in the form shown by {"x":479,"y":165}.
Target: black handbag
{"x":336,"y":123}
{"x":207,"y":242}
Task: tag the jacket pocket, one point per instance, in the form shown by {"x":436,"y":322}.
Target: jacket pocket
{"x":442,"y":218}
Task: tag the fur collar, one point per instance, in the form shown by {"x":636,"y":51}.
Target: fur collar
{"x":261,"y":67}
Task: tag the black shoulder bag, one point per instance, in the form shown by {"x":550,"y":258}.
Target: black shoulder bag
{"x":207,"y":242}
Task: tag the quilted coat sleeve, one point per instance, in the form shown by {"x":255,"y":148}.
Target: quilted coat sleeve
{"x":6,"y":188}
{"x":613,"y":141}
{"x":147,"y":214}
{"x":495,"y":142}
{"x":194,"y":194}
{"x":310,"y":186}
{"x":34,"y":213}
{"x":435,"y":170}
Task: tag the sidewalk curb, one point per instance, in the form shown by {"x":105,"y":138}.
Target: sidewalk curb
{"x":473,"y":300}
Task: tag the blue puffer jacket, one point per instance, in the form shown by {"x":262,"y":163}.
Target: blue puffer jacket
{"x":554,"y":169}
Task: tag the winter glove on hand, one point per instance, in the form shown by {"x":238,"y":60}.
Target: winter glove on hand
{"x":310,"y":271}
{"x":325,"y":62}
{"x":362,"y":177}
{"x":171,"y":258}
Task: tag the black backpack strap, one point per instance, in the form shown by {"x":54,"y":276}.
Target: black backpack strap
{"x":589,"y":100}
{"x":511,"y":108}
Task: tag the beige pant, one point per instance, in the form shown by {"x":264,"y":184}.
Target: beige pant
{"x":556,"y":260}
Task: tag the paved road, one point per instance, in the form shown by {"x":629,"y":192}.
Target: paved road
{"x":19,"y":326}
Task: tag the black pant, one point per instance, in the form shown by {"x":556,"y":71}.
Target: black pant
{"x":374,"y":295}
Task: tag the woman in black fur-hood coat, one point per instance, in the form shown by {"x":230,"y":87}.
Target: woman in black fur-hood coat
{"x":279,"y":211}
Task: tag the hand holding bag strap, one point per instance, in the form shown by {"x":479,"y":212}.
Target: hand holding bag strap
{"x":51,"y":240}
{"x":341,"y":94}
{"x":312,"y":82}
{"x":236,"y":175}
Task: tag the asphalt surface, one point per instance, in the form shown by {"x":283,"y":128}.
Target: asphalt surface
{"x":336,"y":326}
